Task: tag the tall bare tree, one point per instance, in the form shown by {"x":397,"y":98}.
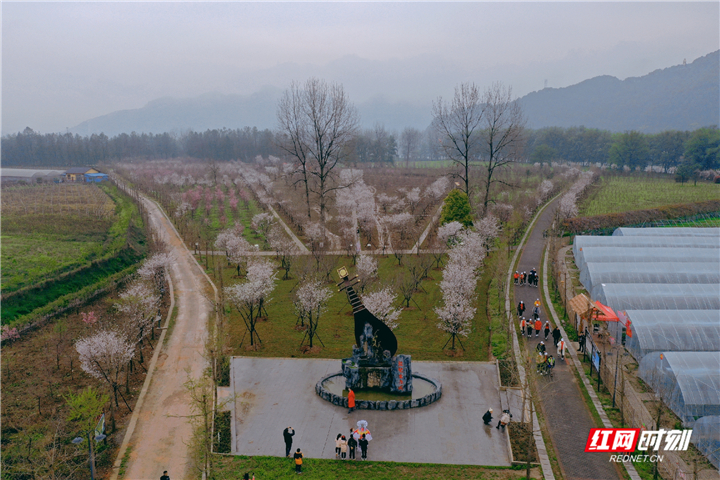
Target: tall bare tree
{"x":318,"y":121}
{"x":410,"y":144}
{"x":457,"y":123}
{"x":503,"y":134}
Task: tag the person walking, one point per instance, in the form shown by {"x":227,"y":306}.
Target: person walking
{"x":165,"y":476}
{"x":351,"y":400}
{"x":556,"y":335}
{"x":521,"y":308}
{"x":538,"y":327}
{"x":338,"y":441}
{"x":529,"y":329}
{"x":562,"y":348}
{"x":537,"y":277}
{"x":523,"y":325}
{"x":487,"y":418}
{"x":547,"y":328}
{"x":536,"y":313}
{"x":343,"y":447}
{"x":581,"y":343}
{"x":298,"y":461}
{"x":540,"y":347}
{"x":363,"y":447}
{"x":352,"y":444}
{"x":504,"y":419}
{"x":516,"y":277}
{"x":287,"y":436}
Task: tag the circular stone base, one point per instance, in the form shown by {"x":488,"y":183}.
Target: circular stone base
{"x":341,"y":401}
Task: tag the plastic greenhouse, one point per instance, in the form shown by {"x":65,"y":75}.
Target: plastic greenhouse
{"x":673,"y":232}
{"x":582,"y":241}
{"x":671,"y":331}
{"x":657,"y":296}
{"x":592,"y":274}
{"x":688,"y":382}
{"x":706,"y":437}
{"x":645,"y":255}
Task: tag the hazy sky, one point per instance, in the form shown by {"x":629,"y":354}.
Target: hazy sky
{"x":63,"y":63}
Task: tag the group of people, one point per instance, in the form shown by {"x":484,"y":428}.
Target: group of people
{"x":345,"y":447}
{"x":504,"y":418}
{"x":545,"y":363}
{"x":528,"y":326}
{"x":524,"y":278}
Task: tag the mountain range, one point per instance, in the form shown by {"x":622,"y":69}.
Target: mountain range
{"x":681,"y":97}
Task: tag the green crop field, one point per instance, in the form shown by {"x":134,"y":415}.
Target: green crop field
{"x":417,"y":332}
{"x":621,"y":194}
{"x":53,"y":230}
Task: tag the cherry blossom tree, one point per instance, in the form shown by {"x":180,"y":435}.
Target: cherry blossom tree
{"x":310,"y":302}
{"x":250,"y":296}
{"x":262,"y":223}
{"x":367,"y":269}
{"x":447,"y":233}
{"x":9,"y":334}
{"x":137,"y":306}
{"x":104,"y":355}
{"x":284,"y":247}
{"x":455,"y":317}
{"x":154,"y":268}
{"x":381,"y":304}
{"x":89,"y":318}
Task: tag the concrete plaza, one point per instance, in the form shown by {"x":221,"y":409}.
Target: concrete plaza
{"x":274,"y":393}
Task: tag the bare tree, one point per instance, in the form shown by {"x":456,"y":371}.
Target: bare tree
{"x":410,"y":144}
{"x":457,"y":124}
{"x":318,"y":121}
{"x":503,"y":134}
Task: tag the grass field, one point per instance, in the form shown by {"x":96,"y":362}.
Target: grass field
{"x":621,"y":194}
{"x":277,"y":468}
{"x":417,"y":332}
{"x":39,"y":249}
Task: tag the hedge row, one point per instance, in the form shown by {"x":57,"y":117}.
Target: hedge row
{"x":581,"y":225}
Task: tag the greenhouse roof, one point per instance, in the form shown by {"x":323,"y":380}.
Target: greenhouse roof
{"x":658,"y":296}
{"x":582,"y":241}
{"x":706,"y":436}
{"x":592,"y":274}
{"x":665,"y":231}
{"x":689,"y":382}
{"x":672,"y":331}
{"x":645,"y":255}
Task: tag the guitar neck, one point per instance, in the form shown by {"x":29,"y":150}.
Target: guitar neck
{"x":354,"y":299}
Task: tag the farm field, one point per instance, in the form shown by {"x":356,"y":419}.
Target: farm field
{"x":417,"y":332}
{"x":59,"y":239}
{"x":38,"y":372}
{"x":615,"y":194}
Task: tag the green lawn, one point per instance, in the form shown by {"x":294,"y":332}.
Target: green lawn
{"x":417,"y":333}
{"x":30,"y":258}
{"x":234,"y":467}
{"x":621,"y":194}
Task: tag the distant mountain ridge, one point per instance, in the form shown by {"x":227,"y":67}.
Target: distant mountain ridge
{"x":682,"y":97}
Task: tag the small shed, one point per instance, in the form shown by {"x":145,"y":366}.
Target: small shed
{"x":77,"y":174}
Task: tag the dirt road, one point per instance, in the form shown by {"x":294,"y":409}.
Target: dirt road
{"x":162,"y":433}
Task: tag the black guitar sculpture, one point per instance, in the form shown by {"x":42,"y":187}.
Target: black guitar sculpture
{"x":382,"y":345}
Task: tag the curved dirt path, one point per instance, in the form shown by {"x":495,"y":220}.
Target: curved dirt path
{"x":162,"y":432}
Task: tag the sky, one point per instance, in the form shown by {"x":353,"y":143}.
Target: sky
{"x":64,"y":62}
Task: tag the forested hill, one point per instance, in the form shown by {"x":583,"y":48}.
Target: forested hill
{"x":683,"y":97}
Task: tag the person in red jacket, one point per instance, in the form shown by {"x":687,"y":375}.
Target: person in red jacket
{"x":351,"y":400}
{"x":538,"y":327}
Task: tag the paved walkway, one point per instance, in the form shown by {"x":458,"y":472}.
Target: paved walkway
{"x":272,"y":394}
{"x":567,"y":418}
{"x":162,"y":432}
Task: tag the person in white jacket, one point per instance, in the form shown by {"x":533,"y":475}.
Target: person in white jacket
{"x":562,"y":348}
